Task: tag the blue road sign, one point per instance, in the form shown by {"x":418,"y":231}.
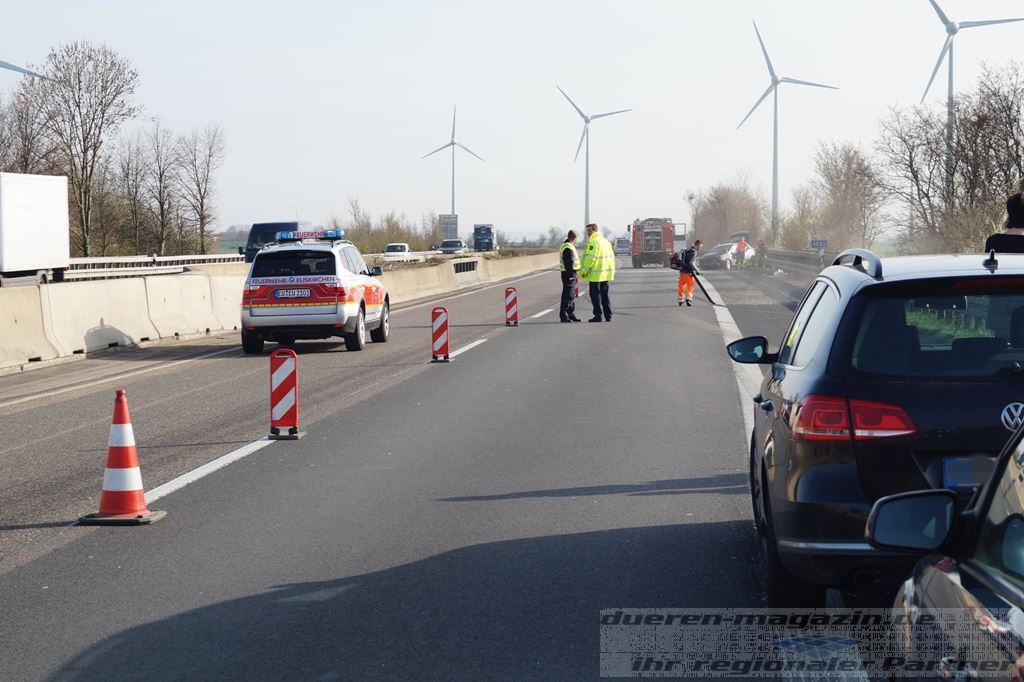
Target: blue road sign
{"x":819,"y":243}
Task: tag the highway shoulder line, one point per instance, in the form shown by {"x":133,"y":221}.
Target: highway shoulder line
{"x":748,"y":377}
{"x":180,"y":482}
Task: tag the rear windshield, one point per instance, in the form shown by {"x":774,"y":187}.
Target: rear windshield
{"x":969,"y":329}
{"x":294,"y":264}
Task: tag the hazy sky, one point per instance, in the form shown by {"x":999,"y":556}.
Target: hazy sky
{"x":326,"y":101}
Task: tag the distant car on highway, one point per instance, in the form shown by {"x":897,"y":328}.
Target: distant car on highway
{"x":895,"y":375}
{"x":966,"y":594}
{"x":453,"y":246}
{"x":313,"y":285}
{"x":397,"y":251}
{"x":622,"y":245}
{"x":723,"y":257}
{"x":718,"y":257}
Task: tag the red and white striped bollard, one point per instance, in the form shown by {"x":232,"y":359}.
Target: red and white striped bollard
{"x":284,"y":395}
{"x":439,"y":334}
{"x":511,"y":307}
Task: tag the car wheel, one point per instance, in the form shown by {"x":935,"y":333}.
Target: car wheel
{"x":357,"y":339}
{"x":756,"y":491}
{"x":786,"y":590}
{"x":381,"y":333}
{"x":251,"y":344}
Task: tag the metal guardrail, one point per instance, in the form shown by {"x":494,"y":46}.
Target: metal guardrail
{"x":808,"y":259}
{"x":103,"y":267}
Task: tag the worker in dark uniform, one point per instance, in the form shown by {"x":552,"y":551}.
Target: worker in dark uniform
{"x":569,"y":264}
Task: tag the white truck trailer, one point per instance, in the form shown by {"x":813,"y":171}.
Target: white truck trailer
{"x":34,"y":228}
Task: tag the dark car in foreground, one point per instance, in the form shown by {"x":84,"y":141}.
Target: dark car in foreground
{"x":961,"y":613}
{"x":895,"y":375}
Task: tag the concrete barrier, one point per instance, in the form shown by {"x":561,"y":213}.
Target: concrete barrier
{"x":180,"y":305}
{"x":226,"y":296}
{"x":23,"y":338}
{"x":413,"y":283}
{"x":91,"y":316}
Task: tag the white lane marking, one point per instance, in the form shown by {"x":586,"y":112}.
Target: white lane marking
{"x":435,"y":301}
{"x":466,"y":347}
{"x":122,"y":480}
{"x":116,"y":377}
{"x":121,"y":436}
{"x":283,"y":405}
{"x":748,"y":377}
{"x":192,"y":476}
{"x":541,"y":313}
{"x":282,"y":373}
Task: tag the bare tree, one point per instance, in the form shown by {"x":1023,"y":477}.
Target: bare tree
{"x":201,"y":152}
{"x":32,"y":148}
{"x":86,"y":101}
{"x":162,"y":165}
{"x":725,"y":208}
{"x":798,"y":227}
{"x":851,"y":196}
{"x":132,"y":172}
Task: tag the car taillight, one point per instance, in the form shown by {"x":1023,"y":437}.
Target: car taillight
{"x":826,"y":418}
{"x":879,"y":420}
{"x":247,"y":292}
{"x":338,"y":290}
{"x":822,"y":418}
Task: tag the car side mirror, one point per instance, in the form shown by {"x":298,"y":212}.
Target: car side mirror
{"x":752,"y":350}
{"x":241,"y":250}
{"x":919,"y":521}
{"x":376,"y":271}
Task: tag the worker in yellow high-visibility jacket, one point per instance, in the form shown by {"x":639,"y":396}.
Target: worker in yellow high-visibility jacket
{"x":598,"y":269}
{"x":569,"y":265}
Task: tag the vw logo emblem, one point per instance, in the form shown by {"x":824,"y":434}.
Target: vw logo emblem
{"x":1013,"y":416}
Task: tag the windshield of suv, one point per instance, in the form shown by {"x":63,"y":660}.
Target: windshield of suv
{"x":395,"y":248}
{"x":294,"y":264}
{"x":451,"y":243}
{"x":262,"y":234}
{"x":961,"y":330}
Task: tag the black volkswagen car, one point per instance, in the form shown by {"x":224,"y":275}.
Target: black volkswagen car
{"x":895,"y":375}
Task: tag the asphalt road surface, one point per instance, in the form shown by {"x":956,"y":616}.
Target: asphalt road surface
{"x":461,"y":521}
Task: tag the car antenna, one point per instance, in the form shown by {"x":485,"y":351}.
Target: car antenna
{"x":991,"y":263}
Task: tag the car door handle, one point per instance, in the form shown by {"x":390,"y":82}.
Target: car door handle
{"x":766,"y":405}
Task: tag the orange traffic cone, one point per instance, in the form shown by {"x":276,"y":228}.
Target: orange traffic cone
{"x":123,"y":500}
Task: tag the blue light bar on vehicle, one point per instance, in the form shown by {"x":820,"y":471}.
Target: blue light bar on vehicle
{"x":295,"y":236}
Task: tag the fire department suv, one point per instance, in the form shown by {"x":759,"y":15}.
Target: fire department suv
{"x":312,"y":285}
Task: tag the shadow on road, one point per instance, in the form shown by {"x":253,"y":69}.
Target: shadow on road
{"x":733,"y":484}
{"x":520,"y":609}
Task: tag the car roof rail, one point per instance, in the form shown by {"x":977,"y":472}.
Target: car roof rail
{"x":862,"y":259}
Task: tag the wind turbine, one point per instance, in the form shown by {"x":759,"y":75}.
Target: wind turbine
{"x":12,"y":67}
{"x":773,"y":89}
{"x":453,"y":144}
{"x":585,"y":137}
{"x":952,"y":28}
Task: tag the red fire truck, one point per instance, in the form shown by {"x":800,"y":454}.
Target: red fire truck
{"x":653,"y":241}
